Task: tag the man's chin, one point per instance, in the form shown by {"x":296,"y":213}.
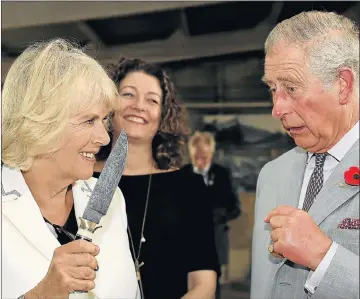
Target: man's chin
{"x":306,"y":144}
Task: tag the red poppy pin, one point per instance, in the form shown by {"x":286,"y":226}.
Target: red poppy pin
{"x":352,"y":176}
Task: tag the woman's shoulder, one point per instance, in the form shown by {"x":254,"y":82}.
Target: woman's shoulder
{"x":179,"y":175}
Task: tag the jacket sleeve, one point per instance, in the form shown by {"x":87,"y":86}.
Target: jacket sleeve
{"x":341,"y":279}
{"x":233,"y":209}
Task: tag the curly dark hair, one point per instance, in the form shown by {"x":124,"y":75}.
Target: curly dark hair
{"x":169,"y":143}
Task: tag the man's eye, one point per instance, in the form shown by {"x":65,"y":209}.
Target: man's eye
{"x":291,"y":88}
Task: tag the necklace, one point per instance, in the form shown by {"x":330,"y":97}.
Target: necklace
{"x":138,"y":265}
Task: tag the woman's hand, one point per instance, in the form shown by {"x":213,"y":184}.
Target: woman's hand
{"x":72,"y":268}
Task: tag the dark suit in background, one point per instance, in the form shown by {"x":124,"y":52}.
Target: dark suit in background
{"x":224,"y":202}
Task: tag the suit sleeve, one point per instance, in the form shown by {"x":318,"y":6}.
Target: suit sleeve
{"x":233,"y":204}
{"x":201,"y":250}
{"x":341,"y":279}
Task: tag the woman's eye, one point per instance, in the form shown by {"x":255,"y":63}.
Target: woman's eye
{"x":154,"y":101}
{"x":90,"y":121}
{"x":127,"y":95}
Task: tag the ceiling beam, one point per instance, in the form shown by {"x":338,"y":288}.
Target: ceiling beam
{"x":181,"y":46}
{"x":90,"y":34}
{"x":29,"y":13}
{"x":184,"y":23}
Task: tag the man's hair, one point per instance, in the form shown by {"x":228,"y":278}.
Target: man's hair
{"x":45,"y":86}
{"x":330,"y":41}
{"x":201,"y":139}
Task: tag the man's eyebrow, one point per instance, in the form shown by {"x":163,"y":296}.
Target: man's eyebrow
{"x":288,"y":79}
{"x":280,"y":78}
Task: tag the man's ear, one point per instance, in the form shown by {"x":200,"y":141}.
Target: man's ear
{"x":347,"y":84}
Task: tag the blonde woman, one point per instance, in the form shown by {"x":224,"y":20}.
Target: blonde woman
{"x":55,"y":104}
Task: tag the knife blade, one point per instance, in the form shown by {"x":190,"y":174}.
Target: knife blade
{"x":104,"y":189}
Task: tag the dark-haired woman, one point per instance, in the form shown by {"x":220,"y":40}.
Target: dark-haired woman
{"x":169,"y":219}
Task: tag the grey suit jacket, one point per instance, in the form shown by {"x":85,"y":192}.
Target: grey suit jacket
{"x":280,"y":183}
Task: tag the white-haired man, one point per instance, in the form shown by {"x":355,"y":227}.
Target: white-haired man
{"x":223,"y":200}
{"x":306,"y":233}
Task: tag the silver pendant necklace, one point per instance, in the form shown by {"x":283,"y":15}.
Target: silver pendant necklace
{"x":139,"y":264}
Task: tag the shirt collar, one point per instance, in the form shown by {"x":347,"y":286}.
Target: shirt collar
{"x":339,"y":150}
{"x":204,"y":171}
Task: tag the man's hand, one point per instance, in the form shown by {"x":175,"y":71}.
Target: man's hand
{"x":296,"y":236}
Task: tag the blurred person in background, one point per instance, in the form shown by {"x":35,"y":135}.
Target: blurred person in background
{"x":170,"y":230}
{"x":223,"y":201}
{"x":306,"y":233}
{"x":55,"y":104}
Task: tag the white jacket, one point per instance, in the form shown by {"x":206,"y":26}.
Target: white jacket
{"x":28,"y":244}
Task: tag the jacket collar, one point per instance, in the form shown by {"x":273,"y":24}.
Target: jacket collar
{"x":21,"y":210}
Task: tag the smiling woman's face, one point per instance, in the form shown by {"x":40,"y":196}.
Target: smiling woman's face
{"x":140,"y":107}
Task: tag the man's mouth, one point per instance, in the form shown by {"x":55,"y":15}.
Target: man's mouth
{"x":295,"y":129}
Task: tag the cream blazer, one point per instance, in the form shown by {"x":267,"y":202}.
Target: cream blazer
{"x":28,"y":244}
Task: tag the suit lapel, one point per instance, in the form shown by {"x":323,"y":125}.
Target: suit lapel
{"x":23,"y":212}
{"x":290,"y":193}
{"x":292,"y":184}
{"x":335,"y":191}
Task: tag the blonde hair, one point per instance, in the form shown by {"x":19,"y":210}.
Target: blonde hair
{"x":46,"y":85}
{"x":330,"y":41}
{"x":201,"y":139}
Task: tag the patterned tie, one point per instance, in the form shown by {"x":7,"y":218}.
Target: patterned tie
{"x":316,"y":181}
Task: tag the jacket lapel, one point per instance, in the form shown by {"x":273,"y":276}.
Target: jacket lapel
{"x":293,"y":183}
{"x":19,"y":207}
{"x":290,"y":193}
{"x":335,"y":191}
{"x":81,"y":192}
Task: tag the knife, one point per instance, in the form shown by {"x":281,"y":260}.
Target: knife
{"x":103,"y":192}
{"x":104,"y":189}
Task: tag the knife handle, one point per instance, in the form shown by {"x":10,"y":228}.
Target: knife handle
{"x":84,"y":234}
{"x":82,"y":237}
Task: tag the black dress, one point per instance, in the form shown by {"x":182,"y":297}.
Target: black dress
{"x":62,"y":232}
{"x":178,"y":230}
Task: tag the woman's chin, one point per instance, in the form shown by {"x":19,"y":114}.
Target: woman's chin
{"x":138,"y":136}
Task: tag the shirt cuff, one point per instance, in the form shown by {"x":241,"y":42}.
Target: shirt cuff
{"x":315,"y":277}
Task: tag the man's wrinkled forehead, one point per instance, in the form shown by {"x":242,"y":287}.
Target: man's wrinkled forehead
{"x":202,"y":149}
{"x":285,"y":63}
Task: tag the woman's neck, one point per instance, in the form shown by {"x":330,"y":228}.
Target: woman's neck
{"x":139,"y":159}
{"x":49,"y":190}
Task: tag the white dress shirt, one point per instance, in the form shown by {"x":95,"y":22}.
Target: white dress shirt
{"x":204,"y":173}
{"x":335,"y":154}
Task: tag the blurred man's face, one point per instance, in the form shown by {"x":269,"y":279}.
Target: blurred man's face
{"x":201,"y":156}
